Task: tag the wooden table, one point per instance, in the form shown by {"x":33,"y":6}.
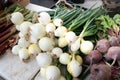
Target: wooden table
{"x":11,"y":68}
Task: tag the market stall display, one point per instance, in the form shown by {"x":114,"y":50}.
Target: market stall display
{"x":80,"y":41}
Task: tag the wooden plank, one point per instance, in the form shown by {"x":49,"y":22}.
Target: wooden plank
{"x":11,"y":68}
{"x":37,"y":8}
{"x":38,"y":77}
{"x":90,"y":3}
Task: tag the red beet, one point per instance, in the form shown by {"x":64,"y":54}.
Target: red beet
{"x":118,"y":62}
{"x":114,"y":41}
{"x":94,"y":56}
{"x":115,"y":73}
{"x":119,"y":38}
{"x":100,"y":72}
{"x":113,"y":53}
{"x":103,"y":45}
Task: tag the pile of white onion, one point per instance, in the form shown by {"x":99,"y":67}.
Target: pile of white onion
{"x":45,"y":40}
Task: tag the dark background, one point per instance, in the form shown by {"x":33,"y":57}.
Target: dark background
{"x":50,"y":3}
{"x":46,"y":3}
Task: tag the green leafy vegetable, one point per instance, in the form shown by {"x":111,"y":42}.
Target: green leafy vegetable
{"x":116,"y":18}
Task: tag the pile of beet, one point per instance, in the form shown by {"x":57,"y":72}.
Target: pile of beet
{"x":110,"y":49}
{"x":104,"y":60}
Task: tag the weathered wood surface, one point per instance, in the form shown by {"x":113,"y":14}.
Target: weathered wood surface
{"x":90,"y":3}
{"x":11,"y":68}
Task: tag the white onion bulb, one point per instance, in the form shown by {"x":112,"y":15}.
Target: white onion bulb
{"x":34,"y":49}
{"x":37,"y":30}
{"x":74,"y":68}
{"x":86,"y":47}
{"x":79,"y":59}
{"x":21,"y":35}
{"x":25,"y":27}
{"x":32,"y":39}
{"x":44,"y":59}
{"x":75,"y":45}
{"x":70,"y":37}
{"x":22,"y":42}
{"x":57,"y":51}
{"x":60,"y":31}
{"x":44,"y":18}
{"x":52,"y":73}
{"x":50,"y":28}
{"x":46,"y":44}
{"x":62,"y":78}
{"x":17,"y":27}
{"x":15,"y":49}
{"x":23,"y":53}
{"x":17,"y":18}
{"x":58,"y":22}
{"x":62,"y":42}
{"x":43,"y":72}
{"x":65,"y":58}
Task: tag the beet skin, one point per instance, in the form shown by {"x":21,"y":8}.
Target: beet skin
{"x":103,"y":45}
{"x":94,"y":56}
{"x":114,"y":41}
{"x":100,"y":72}
{"x":113,"y":53}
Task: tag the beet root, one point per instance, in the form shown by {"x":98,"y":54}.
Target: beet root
{"x":114,"y":41}
{"x":103,"y":45}
{"x":115,"y":73}
{"x":100,"y":72}
{"x":113,"y":53}
{"x":118,"y":62}
{"x":93,"y":57}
